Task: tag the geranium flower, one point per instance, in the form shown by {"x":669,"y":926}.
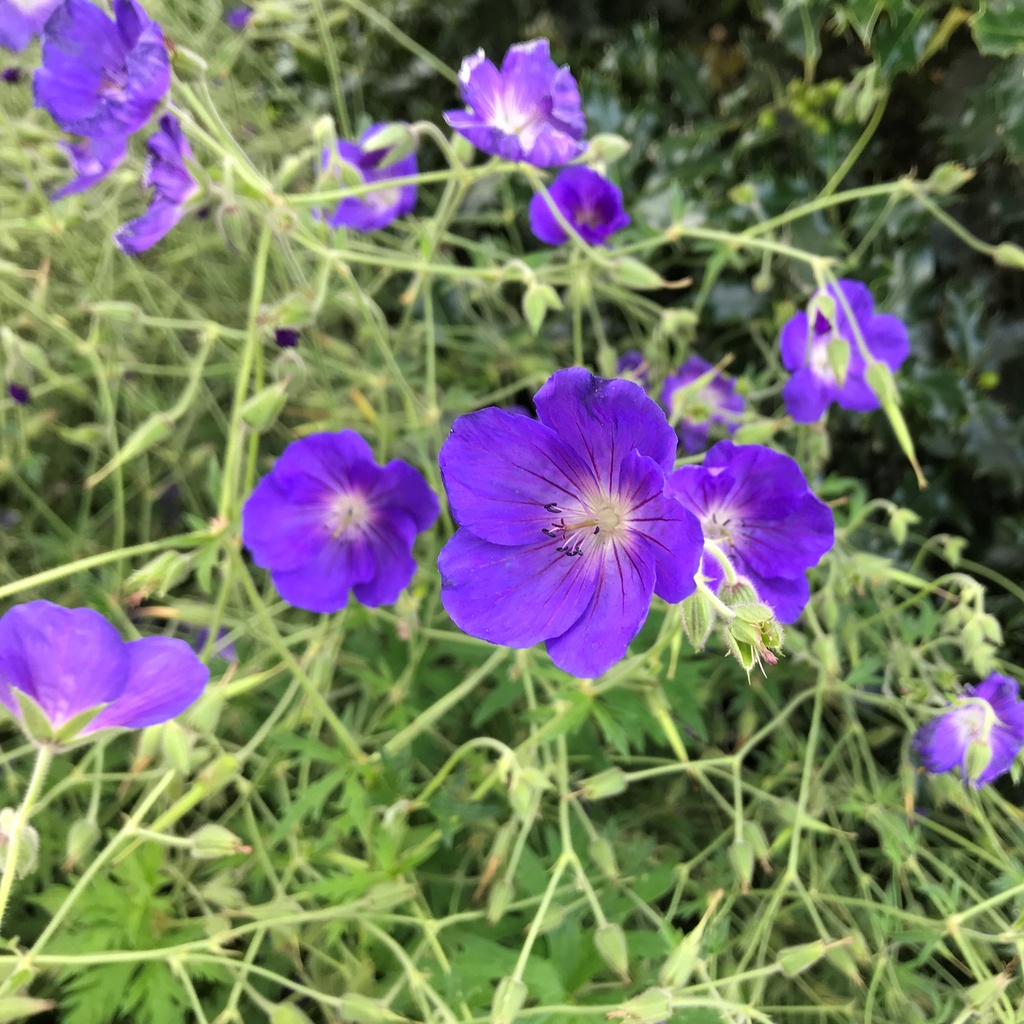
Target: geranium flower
{"x":565,"y":531}
{"x":22,"y":20}
{"x":529,"y":110}
{"x":586,"y":199}
{"x":69,"y":661}
{"x":633,"y":365}
{"x":376,"y":209}
{"x":981,"y":733}
{"x":328,"y":520}
{"x":168,"y":175}
{"x":755,"y":506}
{"x":805,"y":353}
{"x":716,"y":403}
{"x":18,"y":393}
{"x":238,"y":17}
{"x":102,"y":77}
{"x":286,"y":337}
{"x":92,"y":160}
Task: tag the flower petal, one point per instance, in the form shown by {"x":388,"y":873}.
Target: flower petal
{"x":390,"y":539}
{"x":164,"y":678}
{"x":806,"y":396}
{"x":281,"y":530}
{"x":515,"y":596}
{"x":1005,"y":747}
{"x":322,"y":584}
{"x":940,"y":743}
{"x":66,"y":659}
{"x":887,"y":338}
{"x":794,"y":342}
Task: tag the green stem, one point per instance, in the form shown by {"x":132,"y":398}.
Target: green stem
{"x":44,"y":758}
{"x":858,"y":147}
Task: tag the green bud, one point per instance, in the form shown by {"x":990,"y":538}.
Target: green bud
{"x":610,"y":782}
{"x":948,"y":178}
{"x":838,"y":352}
{"x":28,"y":845}
{"x":827,"y":652}
{"x":610,"y":943}
{"x":795,"y":959}
{"x":631,"y":273}
{"x":261,"y":410}
{"x":509,"y":997}
{"x":979,"y":755}
{"x":606,"y":148}
{"x":741,"y":857}
{"x":213,"y":841}
{"x":679,"y":322}
{"x":218,"y":774}
{"x":738,"y":593}
{"x":982,"y":996}
{"x":501,"y":895}
{"x":287,"y":1013}
{"x":698,"y":618}
{"x":387,"y":895}
{"x":16,"y":1008}
{"x":81,"y":838}
{"x":176,"y":748}
{"x":676,"y":970}
{"x":398,"y":138}
{"x":1006,"y":254}
{"x":348,"y":174}
{"x":160,"y":575}
{"x":538,"y":299}
{"x":602,"y":853}
{"x":362,"y":1009}
{"x":900,"y":519}
{"x":653,"y":1006}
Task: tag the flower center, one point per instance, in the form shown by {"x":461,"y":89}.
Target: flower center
{"x":715,"y":526}
{"x":115,"y":83}
{"x":512,"y":119}
{"x":348,"y":515}
{"x":602,"y":522}
{"x":383,"y":199}
{"x":820,"y":366}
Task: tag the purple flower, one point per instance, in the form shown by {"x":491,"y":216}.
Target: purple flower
{"x":238,"y":17}
{"x":92,"y":160}
{"x":168,"y":175}
{"x":102,"y":77}
{"x":286,"y":337}
{"x":377,"y":209}
{"x":69,"y":661}
{"x":11,"y":75}
{"x":805,"y":353}
{"x":586,"y":199}
{"x":981,"y":733}
{"x":755,"y":506}
{"x":222,"y":647}
{"x":529,"y":110}
{"x":633,"y":365}
{"x":18,"y":393}
{"x":328,"y":519}
{"x":565,"y":531}
{"x":716,"y":402}
{"x":22,"y":20}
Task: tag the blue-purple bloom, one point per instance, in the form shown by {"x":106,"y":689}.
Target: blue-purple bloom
{"x":238,"y":17}
{"x":805,"y":353}
{"x":168,"y":175}
{"x":286,"y":337}
{"x":981,"y":733}
{"x":633,"y":365}
{"x":529,"y":110}
{"x":69,"y":661}
{"x":102,"y":77}
{"x":716,"y":403}
{"x":328,"y":520}
{"x":588,"y":201}
{"x":18,"y":394}
{"x":11,"y":75}
{"x":22,"y":20}
{"x":92,"y":160}
{"x":376,"y":209}
{"x":755,"y":506}
{"x":565,"y":529}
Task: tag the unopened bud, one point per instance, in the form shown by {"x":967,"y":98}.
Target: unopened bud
{"x":741,"y":856}
{"x":538,"y":300}
{"x":653,"y":1006}
{"x":501,"y":895}
{"x":1006,"y":254}
{"x":212,"y":841}
{"x":698,"y":618}
{"x":176,"y":748}
{"x":631,"y":273}
{"x":676,"y":970}
{"x":261,"y":410}
{"x":610,"y":943}
{"x":979,"y":755}
{"x":838,"y":353}
{"x":82,"y":836}
{"x":27,"y":855}
{"x":159,"y":575}
{"x":360,"y":1009}
{"x":795,"y":959}
{"x":610,"y":782}
{"x":509,"y":997}
{"x":288,"y":1013}
{"x":606,"y":148}
{"x":398,"y":139}
{"x":603,"y":855}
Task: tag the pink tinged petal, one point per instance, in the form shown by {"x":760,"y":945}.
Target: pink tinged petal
{"x":887,"y":338}
{"x":795,"y":342}
{"x":603,"y":420}
{"x":284,"y":531}
{"x":323,"y":583}
{"x":941,"y":743}
{"x":622,"y":598}
{"x":66,"y":659}
{"x":806,"y":396}
{"x":500,"y":470}
{"x":164,"y":678}
{"x":514,"y":596}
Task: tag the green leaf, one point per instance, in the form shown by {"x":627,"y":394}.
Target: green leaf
{"x":998,"y":27}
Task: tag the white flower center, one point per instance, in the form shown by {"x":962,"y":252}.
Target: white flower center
{"x":348,"y":515}
{"x":600,"y":521}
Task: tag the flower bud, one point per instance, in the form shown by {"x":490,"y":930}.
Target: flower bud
{"x":754,"y":835}
{"x":176,"y":748}
{"x":610,"y":782}
{"x":610,"y":943}
{"x":213,"y":841}
{"x":1006,"y":254}
{"x":602,"y":853}
{"x":698,"y":618}
{"x":28,"y":845}
{"x":287,"y":1013}
{"x":795,"y":959}
{"x":838,"y":353}
{"x":606,"y":148}
{"x":509,"y":997}
{"x":155,"y":429}
{"x":261,"y":410}
{"x":631,"y":273}
{"x":159,"y":575}
{"x":398,"y":139}
{"x":676,"y":970}
{"x":653,"y":1006}
{"x":19,"y":1008}
{"x":741,"y":857}
{"x":948,"y":178}
{"x":81,"y":838}
{"x":501,"y":895}
{"x":979,"y":755}
{"x":362,"y":1009}
{"x":538,"y":300}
